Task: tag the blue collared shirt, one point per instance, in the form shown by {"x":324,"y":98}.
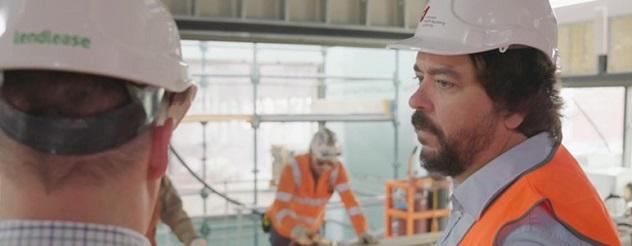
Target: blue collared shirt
{"x":471,"y":197}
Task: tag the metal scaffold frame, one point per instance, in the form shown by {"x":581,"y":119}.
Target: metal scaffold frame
{"x":256,"y":118}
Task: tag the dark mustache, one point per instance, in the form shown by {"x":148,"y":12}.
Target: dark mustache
{"x":421,"y":122}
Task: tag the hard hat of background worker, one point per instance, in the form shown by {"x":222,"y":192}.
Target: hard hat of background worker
{"x":458,"y":27}
{"x":325,"y":146}
{"x":135,"y":41}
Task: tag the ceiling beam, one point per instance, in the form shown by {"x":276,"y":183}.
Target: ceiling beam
{"x":598,"y":80}
{"x":283,"y":32}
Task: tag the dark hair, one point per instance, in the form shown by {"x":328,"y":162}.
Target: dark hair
{"x":71,"y":95}
{"x":523,"y":80}
{"x":62,"y":94}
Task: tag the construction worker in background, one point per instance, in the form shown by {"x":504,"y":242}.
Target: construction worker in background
{"x":168,"y":209}
{"x":487,"y":112}
{"x":90,"y":92}
{"x":304,"y":189}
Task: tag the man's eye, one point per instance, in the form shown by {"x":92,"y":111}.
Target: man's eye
{"x":419,"y":78}
{"x":444,"y":84}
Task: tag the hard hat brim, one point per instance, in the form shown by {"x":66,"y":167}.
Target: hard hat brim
{"x":163,"y":78}
{"x":436,"y":46}
{"x":334,"y":158}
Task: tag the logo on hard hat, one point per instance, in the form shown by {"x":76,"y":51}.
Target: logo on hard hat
{"x":425,"y":12}
{"x":47,"y":37}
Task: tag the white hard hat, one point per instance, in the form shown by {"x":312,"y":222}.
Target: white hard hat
{"x":325,"y":146}
{"x":135,"y":40}
{"x":130,"y":40}
{"x":458,"y":27}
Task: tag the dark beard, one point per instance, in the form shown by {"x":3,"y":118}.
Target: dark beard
{"x":454,"y":154}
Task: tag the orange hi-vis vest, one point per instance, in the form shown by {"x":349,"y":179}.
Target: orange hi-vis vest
{"x":559,"y":185}
{"x":301,"y":200}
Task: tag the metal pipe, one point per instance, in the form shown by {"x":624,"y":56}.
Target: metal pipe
{"x":203,"y":80}
{"x":395,"y":107}
{"x":199,"y":179}
{"x":627,"y":137}
{"x":255,"y":126}
{"x":325,"y":117}
{"x":322,"y":87}
{"x":290,"y":77}
{"x":204,"y":159}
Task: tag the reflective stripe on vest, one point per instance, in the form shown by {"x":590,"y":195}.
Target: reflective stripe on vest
{"x":296,"y":172}
{"x":286,"y":212}
{"x":287,"y":197}
{"x":314,"y":202}
{"x":283,"y":196}
{"x":283,"y":213}
{"x":334,"y":176}
{"x":354,"y":211}
{"x":343,"y":187}
{"x":307,"y":220}
{"x":565,"y":187}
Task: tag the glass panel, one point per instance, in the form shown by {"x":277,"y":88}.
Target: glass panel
{"x":292,"y":137}
{"x":593,"y":125}
{"x":285,"y":53}
{"x":363,"y":62}
{"x":223,"y":96}
{"x":290,"y":75}
{"x":285,"y":98}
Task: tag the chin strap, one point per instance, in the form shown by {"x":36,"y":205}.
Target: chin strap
{"x":73,"y":136}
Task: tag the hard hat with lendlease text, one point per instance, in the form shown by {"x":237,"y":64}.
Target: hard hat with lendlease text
{"x":133,"y":41}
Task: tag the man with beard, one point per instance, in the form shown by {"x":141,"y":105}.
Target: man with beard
{"x":487,"y":115}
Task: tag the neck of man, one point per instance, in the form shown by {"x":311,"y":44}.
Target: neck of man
{"x":118,"y":204}
{"x":499,"y":146}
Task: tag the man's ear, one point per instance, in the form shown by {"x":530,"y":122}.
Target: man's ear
{"x":177,"y":106}
{"x":170,"y":116}
{"x":513,"y":120}
{"x":161,"y":137}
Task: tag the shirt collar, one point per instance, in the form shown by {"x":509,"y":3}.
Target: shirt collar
{"x":54,"y":232}
{"x":477,"y":191}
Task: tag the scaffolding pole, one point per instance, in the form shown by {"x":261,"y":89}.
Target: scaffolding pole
{"x":395,"y":111}
{"x":204,"y":163}
{"x":255,"y":127}
{"x":322,"y":87}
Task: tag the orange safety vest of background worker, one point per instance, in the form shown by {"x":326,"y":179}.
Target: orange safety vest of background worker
{"x":561,"y":187}
{"x":305,"y":186}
